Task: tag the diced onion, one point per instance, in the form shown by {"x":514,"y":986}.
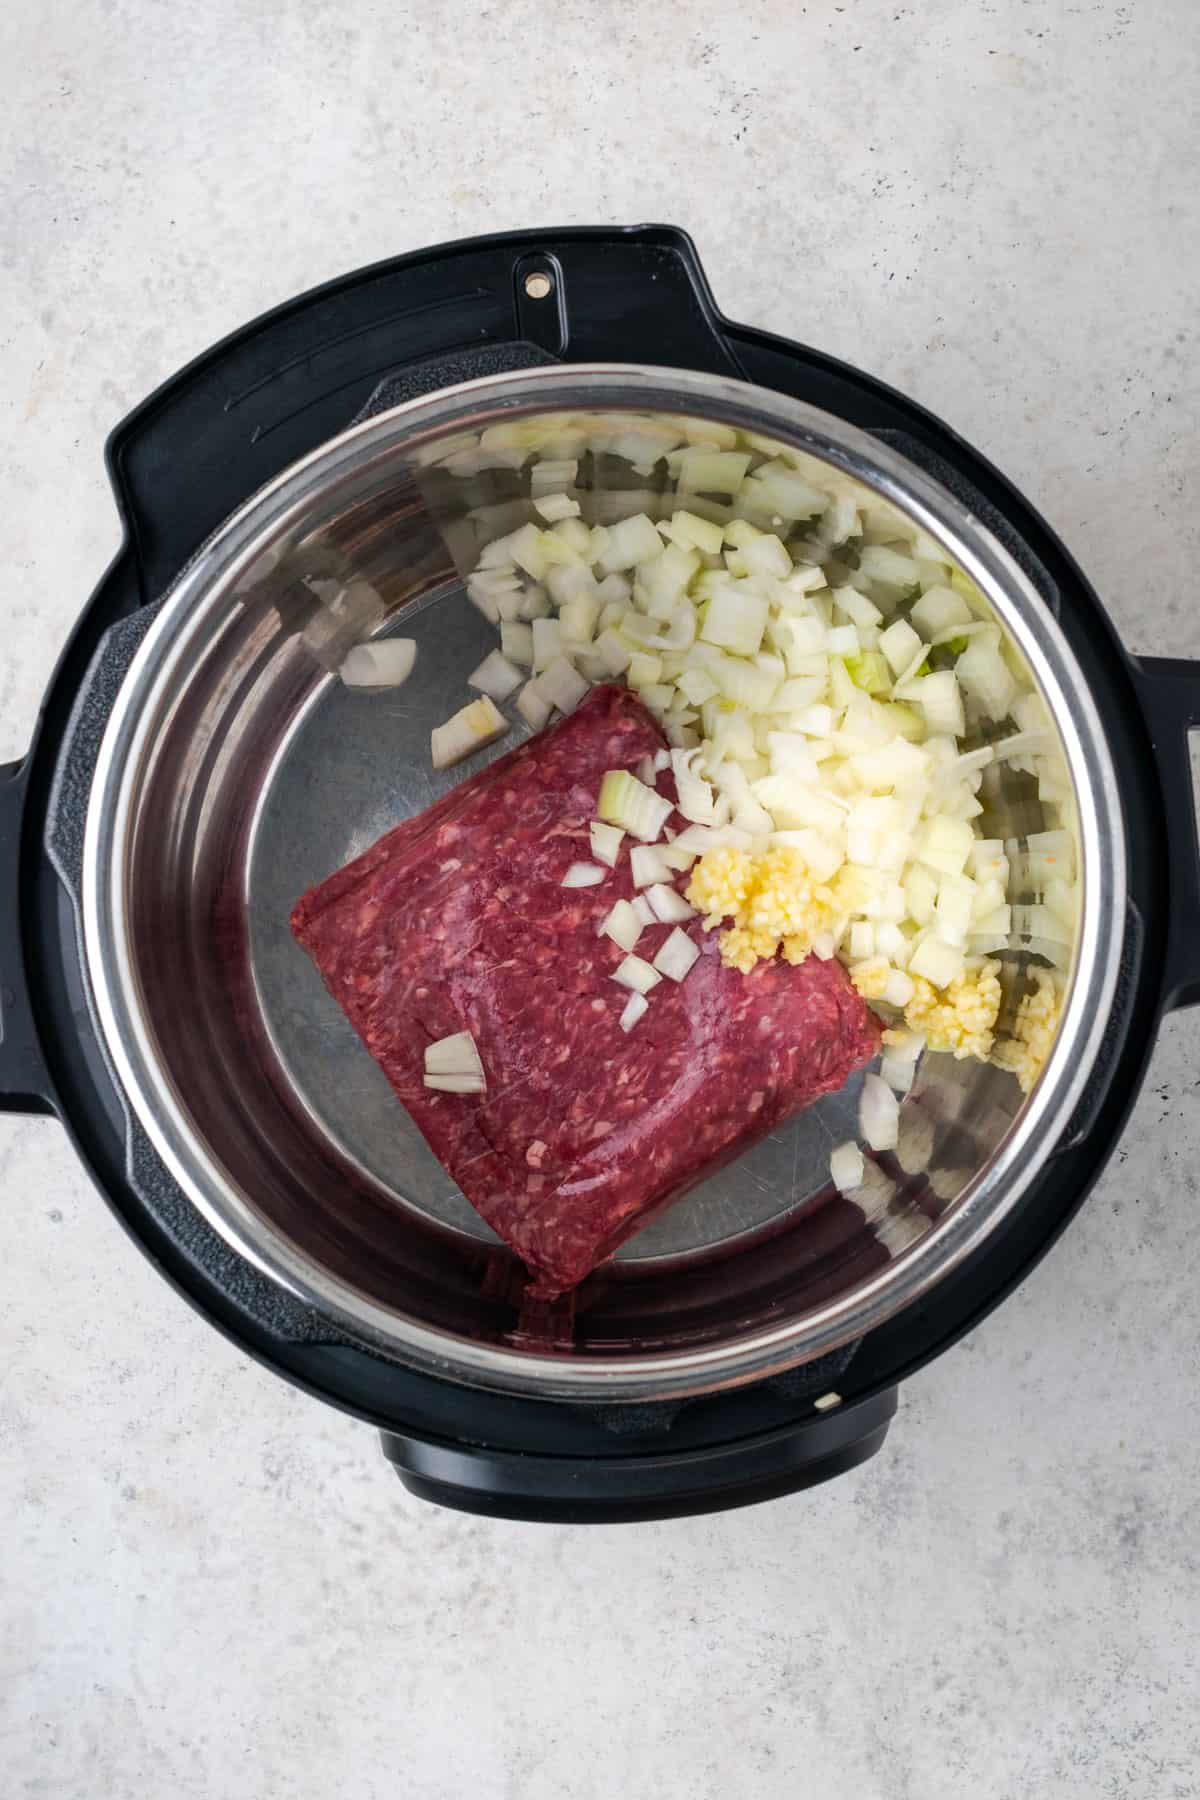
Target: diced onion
{"x":878,"y":1114}
{"x":676,"y":955}
{"x":696,"y":800}
{"x":629,"y":803}
{"x":606,"y":842}
{"x":470,"y":729}
{"x":562,"y":685}
{"x":516,"y":642}
{"x":547,"y":643}
{"x":900,"y":644}
{"x":945,"y":845}
{"x":578,"y":620}
{"x":691,"y":532}
{"x":581,"y":875}
{"x":636,"y":974}
{"x":878,"y":563}
{"x":613,"y":651}
{"x":668,"y":906}
{"x":937,"y":608}
{"x":847,"y":1168}
{"x":941,"y":702}
{"x":986,"y":678}
{"x":385,"y":663}
{"x":623,"y":925}
{"x":629,"y":541}
{"x":457,"y":1054}
{"x":634,"y":1009}
{"x":735,"y":620}
{"x":898,"y":990}
{"x":496,"y":676}
{"x":456,"y":1084}
{"x":937,"y":962}
{"x":648,"y":865}
{"x":533,"y":706}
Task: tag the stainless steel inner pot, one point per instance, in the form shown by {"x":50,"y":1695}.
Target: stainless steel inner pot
{"x":237,"y":770}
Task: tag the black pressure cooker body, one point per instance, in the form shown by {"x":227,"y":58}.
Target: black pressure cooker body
{"x":188,"y":458}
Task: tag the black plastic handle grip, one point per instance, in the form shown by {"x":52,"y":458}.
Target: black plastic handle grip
{"x":25,"y":1085}
{"x":1170,"y":695}
{"x":627,"y":1489}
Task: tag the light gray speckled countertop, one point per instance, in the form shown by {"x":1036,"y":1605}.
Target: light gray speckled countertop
{"x":210,"y":1587}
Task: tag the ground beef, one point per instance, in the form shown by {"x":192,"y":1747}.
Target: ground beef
{"x":457,"y":921}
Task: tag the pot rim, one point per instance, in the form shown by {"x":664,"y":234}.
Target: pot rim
{"x":192,"y":609}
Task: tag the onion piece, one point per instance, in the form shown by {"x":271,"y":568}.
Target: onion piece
{"x":547,"y":643}
{"x":668,"y":905}
{"x":581,"y":875}
{"x":629,"y":541}
{"x":699,"y":838}
{"x":691,"y":532}
{"x":648,"y":865}
{"x":902,"y":647}
{"x":472,"y":728}
{"x":386,"y":663}
{"x":457,"y":1054}
{"x":533,"y":706}
{"x":635,"y":1008}
{"x":898,"y":1072}
{"x":696,"y":800}
{"x":456,"y":1084}
{"x":937,"y":962}
{"x":562,"y":685}
{"x":578,"y":620}
{"x":879,"y":1114}
{"x":676,"y":955}
{"x":736,"y":619}
{"x":625,"y":801}
{"x":847,"y":1168}
{"x":606,"y":842}
{"x":516,"y":642}
{"x":938,"y":608}
{"x":623,"y":925}
{"x":496,"y":676}
{"x":636,"y":974}
{"x":612,"y":649}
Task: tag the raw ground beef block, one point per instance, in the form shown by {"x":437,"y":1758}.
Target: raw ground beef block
{"x":457,"y":921}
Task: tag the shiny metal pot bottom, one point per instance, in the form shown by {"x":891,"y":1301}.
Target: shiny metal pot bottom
{"x":237,"y":771}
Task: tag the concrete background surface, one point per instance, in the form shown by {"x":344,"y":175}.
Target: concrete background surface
{"x":210,"y":1586}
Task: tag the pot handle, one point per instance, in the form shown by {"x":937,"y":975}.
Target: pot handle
{"x":25,"y":1085}
{"x":625,"y":1489}
{"x":1170,"y":693}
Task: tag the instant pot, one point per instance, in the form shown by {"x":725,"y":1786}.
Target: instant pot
{"x":316,"y":478}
